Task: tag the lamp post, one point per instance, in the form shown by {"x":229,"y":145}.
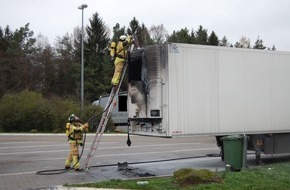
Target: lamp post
{"x":82,"y":7}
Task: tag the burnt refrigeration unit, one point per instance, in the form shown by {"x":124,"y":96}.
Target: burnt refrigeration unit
{"x":144,"y":91}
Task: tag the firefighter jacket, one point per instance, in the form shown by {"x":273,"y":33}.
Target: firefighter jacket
{"x":74,"y":132}
{"x":120,"y":50}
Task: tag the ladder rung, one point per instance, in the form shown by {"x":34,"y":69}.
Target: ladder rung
{"x":103,"y":122}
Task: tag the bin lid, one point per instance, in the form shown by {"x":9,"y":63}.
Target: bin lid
{"x":232,"y":138}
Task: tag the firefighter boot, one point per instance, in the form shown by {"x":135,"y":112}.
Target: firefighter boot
{"x":76,"y":163}
{"x":67,"y":164}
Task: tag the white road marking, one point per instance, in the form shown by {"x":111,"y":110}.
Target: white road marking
{"x":105,"y":148}
{"x":41,"y":146}
{"x":14,"y":174}
{"x":22,"y":142}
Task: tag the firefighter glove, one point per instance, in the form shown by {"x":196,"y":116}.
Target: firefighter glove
{"x":86,"y":127}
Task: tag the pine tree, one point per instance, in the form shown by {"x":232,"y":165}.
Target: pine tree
{"x":201,"y":36}
{"x":16,"y":52}
{"x":139,"y":32}
{"x":259,"y":44}
{"x":224,"y":42}
{"x":181,"y":36}
{"x":213,"y":39}
{"x":117,"y":32}
{"x":134,"y":27}
{"x":97,"y":67}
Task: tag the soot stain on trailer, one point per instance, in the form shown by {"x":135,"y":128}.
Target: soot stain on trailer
{"x":138,"y":81}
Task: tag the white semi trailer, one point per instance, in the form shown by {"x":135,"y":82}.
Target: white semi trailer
{"x":183,"y":89}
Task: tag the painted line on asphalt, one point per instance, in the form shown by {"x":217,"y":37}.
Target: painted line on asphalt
{"x":14,"y":174}
{"x":36,"y":146}
{"x":59,"y":134}
{"x":22,"y":142}
{"x":41,"y":146}
{"x":105,"y":148}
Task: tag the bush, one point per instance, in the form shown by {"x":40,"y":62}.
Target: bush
{"x":63,"y":109}
{"x":26,"y":111}
{"x":29,"y":111}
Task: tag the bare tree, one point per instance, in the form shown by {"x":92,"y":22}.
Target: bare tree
{"x":158,"y":33}
{"x":243,"y":43}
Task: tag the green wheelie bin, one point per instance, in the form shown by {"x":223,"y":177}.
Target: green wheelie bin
{"x":233,"y":152}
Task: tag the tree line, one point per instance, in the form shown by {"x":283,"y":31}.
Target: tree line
{"x":32,"y":63}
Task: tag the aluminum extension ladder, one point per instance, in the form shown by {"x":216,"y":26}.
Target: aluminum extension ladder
{"x":103,"y":122}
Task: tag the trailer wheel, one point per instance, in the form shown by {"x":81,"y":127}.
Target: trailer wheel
{"x":219,"y":143}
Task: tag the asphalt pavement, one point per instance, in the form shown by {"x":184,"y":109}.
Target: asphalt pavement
{"x":24,"y":156}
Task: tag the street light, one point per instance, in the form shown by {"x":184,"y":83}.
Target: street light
{"x":82,"y":7}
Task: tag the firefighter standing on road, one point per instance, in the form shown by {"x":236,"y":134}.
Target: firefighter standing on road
{"x":118,"y":53}
{"x":74,"y":132}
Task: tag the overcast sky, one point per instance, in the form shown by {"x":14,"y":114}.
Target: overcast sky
{"x":269,"y":19}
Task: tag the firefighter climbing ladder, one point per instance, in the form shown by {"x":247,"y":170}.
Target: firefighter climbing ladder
{"x":103,"y":122}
